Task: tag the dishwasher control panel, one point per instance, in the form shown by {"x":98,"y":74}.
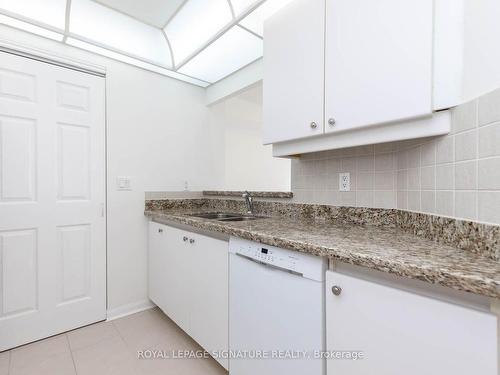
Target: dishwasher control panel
{"x":288,"y":260}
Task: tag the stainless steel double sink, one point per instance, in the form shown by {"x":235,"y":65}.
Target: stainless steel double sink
{"x":224,"y":216}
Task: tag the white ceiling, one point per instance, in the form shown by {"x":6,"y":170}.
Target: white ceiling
{"x":204,"y":41}
{"x":153,"y":12}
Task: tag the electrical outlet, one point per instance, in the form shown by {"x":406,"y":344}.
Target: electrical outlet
{"x":345,"y":181}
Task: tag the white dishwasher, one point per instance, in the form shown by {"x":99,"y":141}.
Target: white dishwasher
{"x":276,"y":310}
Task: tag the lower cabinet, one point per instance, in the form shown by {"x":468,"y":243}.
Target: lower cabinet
{"x":403,"y":332}
{"x":169,"y":273}
{"x":188,"y":281}
{"x":209,"y":324}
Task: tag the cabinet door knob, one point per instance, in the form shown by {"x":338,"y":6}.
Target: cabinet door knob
{"x":160,"y":230}
{"x":336,"y":290}
{"x":314,"y":125}
{"x":185,"y":238}
{"x":331,"y":121}
{"x":191,"y":240}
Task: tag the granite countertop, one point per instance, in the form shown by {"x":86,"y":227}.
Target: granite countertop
{"x":385,"y":249}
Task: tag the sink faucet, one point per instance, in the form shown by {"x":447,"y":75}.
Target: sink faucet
{"x":249,"y":202}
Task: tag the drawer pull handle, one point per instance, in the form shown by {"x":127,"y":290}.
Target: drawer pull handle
{"x":184,"y":238}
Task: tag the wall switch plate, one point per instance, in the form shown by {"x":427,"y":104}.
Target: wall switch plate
{"x":345,"y":181}
{"x":123,"y":183}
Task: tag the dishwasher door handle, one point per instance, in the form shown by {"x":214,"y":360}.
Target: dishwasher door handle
{"x":278,"y":268}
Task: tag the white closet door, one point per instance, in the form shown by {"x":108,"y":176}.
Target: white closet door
{"x":52,"y":194}
{"x":378,"y":65}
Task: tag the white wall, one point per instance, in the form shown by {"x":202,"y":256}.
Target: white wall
{"x":236,"y":82}
{"x":249,"y":165}
{"x":157,"y":132}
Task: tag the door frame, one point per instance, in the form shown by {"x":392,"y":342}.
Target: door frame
{"x":51,"y":58}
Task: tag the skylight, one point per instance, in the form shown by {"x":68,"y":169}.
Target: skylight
{"x":232,"y":51}
{"x":102,"y":26}
{"x":49,"y":12}
{"x":195,"y":24}
{"x":201,"y":42}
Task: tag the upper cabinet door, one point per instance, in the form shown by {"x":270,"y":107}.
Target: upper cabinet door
{"x":294,"y":72}
{"x":378,"y":62}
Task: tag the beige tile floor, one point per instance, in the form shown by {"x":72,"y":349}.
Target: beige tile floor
{"x":110,"y":348}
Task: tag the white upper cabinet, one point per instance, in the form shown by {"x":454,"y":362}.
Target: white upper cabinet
{"x":378,"y":62}
{"x":342,"y":73}
{"x":294,"y":72}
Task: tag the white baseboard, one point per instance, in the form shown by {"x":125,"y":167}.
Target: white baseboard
{"x":132,"y":308}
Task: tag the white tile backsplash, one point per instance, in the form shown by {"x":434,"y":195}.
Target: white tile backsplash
{"x":428,"y":154}
{"x":364,"y":198}
{"x":456,"y":175}
{"x":414,"y":200}
{"x":444,"y":203}
{"x":348,"y":198}
{"x":384,"y":199}
{"x":489,"y":206}
{"x":489,"y":109}
{"x":466,"y":146}
{"x":384,"y":162}
{"x":445,"y":177}
{"x":348,"y":164}
{"x":466,"y":175}
{"x":402,"y":180}
{"x":402,"y":200}
{"x":428,"y":201}
{"x":366,"y":163}
{"x":445,"y":150}
{"x":414,"y":179}
{"x":414,"y":157}
{"x":365,"y":180}
{"x":466,"y":205}
{"x":428,"y":178}
{"x":489,"y":174}
{"x":464,"y":117}
{"x":489,"y":140}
